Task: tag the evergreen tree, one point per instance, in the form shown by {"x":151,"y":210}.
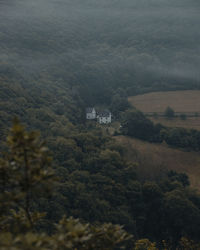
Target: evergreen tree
{"x":25,"y":176}
{"x":169,"y":112}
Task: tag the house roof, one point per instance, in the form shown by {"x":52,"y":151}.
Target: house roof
{"x":89,"y":110}
{"x":105,"y":113}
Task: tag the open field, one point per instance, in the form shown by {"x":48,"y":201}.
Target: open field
{"x":190,"y":122}
{"x":187,"y":101}
{"x":155,"y":159}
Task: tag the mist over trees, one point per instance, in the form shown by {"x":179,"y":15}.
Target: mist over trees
{"x":97,"y":47}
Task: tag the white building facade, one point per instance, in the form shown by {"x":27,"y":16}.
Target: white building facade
{"x":91,"y":114}
{"x":105,"y":117}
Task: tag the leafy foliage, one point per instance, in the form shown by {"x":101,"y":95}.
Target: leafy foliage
{"x":25,"y":175}
{"x":28,"y":175}
{"x":107,"y":191}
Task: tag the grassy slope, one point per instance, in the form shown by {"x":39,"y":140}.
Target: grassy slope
{"x":155,"y":159}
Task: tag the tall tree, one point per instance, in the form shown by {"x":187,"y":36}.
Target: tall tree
{"x":169,"y":112}
{"x":25,"y":176}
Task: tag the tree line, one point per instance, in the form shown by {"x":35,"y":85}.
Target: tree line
{"x":136,"y":124}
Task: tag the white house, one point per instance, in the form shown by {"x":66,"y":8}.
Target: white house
{"x":91,"y":114}
{"x":104,"y":117}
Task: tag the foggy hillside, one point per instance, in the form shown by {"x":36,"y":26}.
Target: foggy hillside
{"x":113,"y":164}
{"x":140,"y":45}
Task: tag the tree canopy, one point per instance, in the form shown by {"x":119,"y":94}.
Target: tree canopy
{"x":108,"y":190}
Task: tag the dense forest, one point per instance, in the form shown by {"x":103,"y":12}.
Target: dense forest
{"x":56,"y":59}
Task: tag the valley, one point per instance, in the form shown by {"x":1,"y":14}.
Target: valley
{"x":93,"y":171}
